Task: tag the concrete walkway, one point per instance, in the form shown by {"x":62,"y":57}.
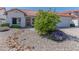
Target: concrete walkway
{"x":72,"y":32}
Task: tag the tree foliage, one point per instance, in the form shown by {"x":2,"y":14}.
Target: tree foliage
{"x":45,"y":22}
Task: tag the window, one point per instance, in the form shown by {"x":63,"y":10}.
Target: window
{"x":19,"y":20}
{"x":14,"y":20}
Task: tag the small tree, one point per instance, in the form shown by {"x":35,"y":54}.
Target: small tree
{"x":45,"y":22}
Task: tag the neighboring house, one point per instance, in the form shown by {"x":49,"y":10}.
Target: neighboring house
{"x":25,"y":18}
{"x":2,"y":15}
{"x":67,"y":19}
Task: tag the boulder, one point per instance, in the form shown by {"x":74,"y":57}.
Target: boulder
{"x":2,"y":29}
{"x":58,"y":35}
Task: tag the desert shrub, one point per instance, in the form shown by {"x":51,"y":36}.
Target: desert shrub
{"x":15,"y":26}
{"x":46,"y":22}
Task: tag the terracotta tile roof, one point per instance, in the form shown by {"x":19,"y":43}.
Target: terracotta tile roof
{"x":76,"y":11}
{"x":29,"y":12}
{"x":65,"y":15}
{"x":33,"y":13}
{"x":67,"y":11}
{"x":26,"y":12}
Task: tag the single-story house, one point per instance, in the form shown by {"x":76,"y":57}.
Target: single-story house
{"x":25,"y":18}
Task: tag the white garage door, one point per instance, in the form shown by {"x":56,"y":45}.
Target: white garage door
{"x":65,"y":22}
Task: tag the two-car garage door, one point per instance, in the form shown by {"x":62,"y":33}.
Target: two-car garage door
{"x":65,"y":22}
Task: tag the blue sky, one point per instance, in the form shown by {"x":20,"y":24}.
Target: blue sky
{"x":57,"y":9}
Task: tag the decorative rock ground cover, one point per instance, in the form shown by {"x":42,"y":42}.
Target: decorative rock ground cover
{"x":27,"y":39}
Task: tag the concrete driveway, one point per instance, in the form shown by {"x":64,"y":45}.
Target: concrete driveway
{"x":74,"y":32}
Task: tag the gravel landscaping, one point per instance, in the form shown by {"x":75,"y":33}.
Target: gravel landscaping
{"x":3,"y":37}
{"x":28,"y":39}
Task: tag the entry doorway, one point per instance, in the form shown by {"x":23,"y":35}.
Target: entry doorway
{"x":28,"y":21}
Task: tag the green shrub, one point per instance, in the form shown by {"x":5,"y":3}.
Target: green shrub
{"x":4,"y":25}
{"x":15,"y":26}
{"x":72,"y":25}
{"x":45,"y":22}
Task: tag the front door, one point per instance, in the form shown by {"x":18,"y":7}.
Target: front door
{"x":28,"y":21}
{"x":14,"y":20}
